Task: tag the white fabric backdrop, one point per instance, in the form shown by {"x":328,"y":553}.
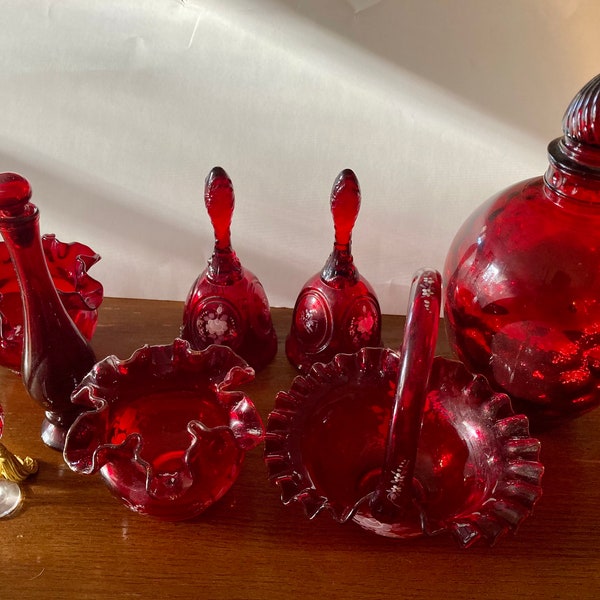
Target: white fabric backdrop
{"x":115,"y":110}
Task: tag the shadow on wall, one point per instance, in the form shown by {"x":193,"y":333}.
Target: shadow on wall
{"x":78,"y":202}
{"x":521,"y":62}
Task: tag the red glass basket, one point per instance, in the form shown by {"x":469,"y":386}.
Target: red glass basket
{"x":404,"y":445}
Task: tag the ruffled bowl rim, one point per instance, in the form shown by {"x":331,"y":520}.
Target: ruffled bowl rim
{"x":87,"y":295}
{"x":88,"y":291}
{"x":245,"y":424}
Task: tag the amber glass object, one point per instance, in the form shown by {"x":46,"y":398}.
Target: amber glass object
{"x":165,"y":428}
{"x":55,"y":354}
{"x":336,"y":310}
{"x":404,"y":445}
{"x":81,"y":294}
{"x":227,"y":304}
{"x":523,"y":284}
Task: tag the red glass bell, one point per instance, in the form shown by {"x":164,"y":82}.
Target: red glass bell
{"x":227,"y":304}
{"x":523,"y":285}
{"x":80,"y":294}
{"x":404,"y":445}
{"x":165,"y":428}
{"x":336,"y":310}
{"x":55,"y":354}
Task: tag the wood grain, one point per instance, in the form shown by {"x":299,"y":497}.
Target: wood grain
{"x":73,"y":540}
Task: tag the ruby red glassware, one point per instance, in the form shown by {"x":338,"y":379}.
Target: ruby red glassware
{"x":165,"y":428}
{"x":227,"y":304}
{"x":55,"y":354}
{"x":337,"y":309}
{"x":523,"y":284}
{"x":81,"y":295}
{"x":404,"y":445}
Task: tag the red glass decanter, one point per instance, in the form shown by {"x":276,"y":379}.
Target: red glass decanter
{"x":55,"y":354}
{"x":523,"y":284}
{"x":227,"y":304}
{"x":165,"y":428}
{"x":337,"y":310}
{"x":405,"y":445}
{"x":81,"y":294}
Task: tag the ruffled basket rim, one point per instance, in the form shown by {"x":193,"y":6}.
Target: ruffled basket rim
{"x":497,"y":515}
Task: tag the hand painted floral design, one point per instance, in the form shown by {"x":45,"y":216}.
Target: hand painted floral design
{"x":364,"y":322}
{"x":217,"y":323}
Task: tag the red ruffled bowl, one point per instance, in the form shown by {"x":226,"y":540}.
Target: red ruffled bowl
{"x":164,"y":428}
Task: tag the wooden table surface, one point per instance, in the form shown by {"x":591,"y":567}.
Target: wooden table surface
{"x":72,"y":539}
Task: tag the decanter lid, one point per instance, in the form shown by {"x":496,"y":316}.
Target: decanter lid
{"x":581,"y":121}
{"x":578,"y":151}
{"x":15,"y":193}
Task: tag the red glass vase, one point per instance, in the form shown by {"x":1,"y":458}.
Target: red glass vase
{"x":55,"y":354}
{"x":523,"y":285}
{"x":227,"y":304}
{"x":404,"y":445}
{"x":165,"y":428}
{"x":337,"y":309}
{"x":80,"y":294}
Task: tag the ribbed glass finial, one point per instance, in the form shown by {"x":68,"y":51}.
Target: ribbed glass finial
{"x":577,"y":152}
{"x":582,"y":117}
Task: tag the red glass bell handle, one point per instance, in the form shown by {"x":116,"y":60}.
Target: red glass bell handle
{"x":15,"y":193}
{"x":219,"y":199}
{"x":394,"y":492}
{"x":345,"y":204}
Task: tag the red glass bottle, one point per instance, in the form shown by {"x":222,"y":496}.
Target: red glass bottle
{"x":227,"y":304}
{"x":523,"y":285}
{"x":55,"y":355}
{"x":337,"y":309}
